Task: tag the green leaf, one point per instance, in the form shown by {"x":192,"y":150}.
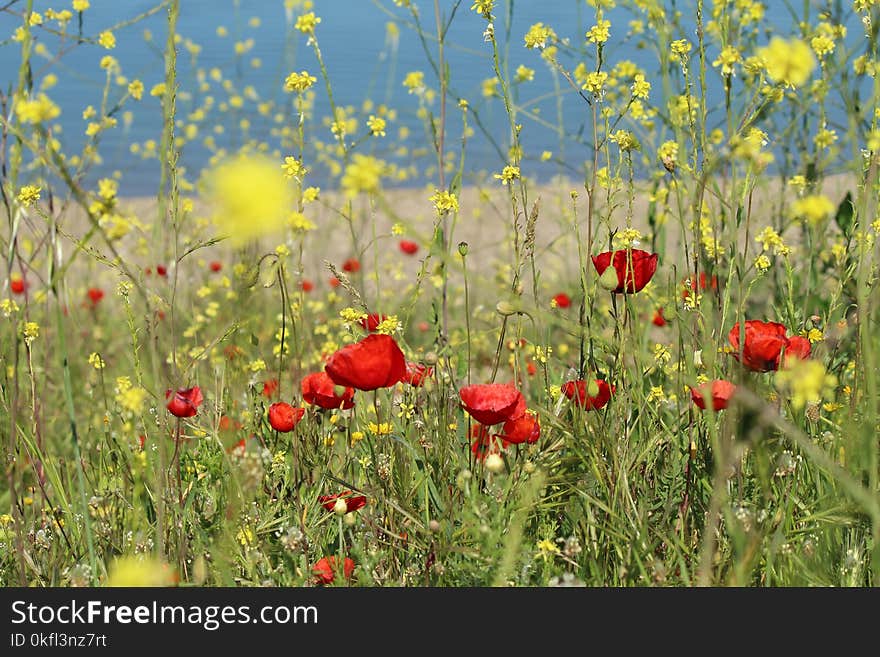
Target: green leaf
{"x":845,"y":213}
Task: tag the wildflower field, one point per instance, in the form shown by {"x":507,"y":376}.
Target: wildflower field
{"x":622,"y":330}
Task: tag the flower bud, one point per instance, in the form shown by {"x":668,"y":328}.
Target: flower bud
{"x":494,"y":463}
{"x":593,"y":388}
{"x":698,"y":358}
{"x":462,"y":249}
{"x":434,"y":526}
{"x":608,"y":279}
{"x":349,"y":519}
{"x":431,"y":358}
{"x":341,"y":507}
{"x":505,"y":308}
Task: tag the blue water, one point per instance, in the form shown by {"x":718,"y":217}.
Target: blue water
{"x":352,"y":36}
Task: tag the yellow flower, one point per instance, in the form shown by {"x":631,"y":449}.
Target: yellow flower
{"x":376,"y":126}
{"x":444,"y":201}
{"x":484,"y":8}
{"x":640,"y":87}
{"x":136,"y":89}
{"x":307,"y":23}
{"x":383,"y":429}
{"x":805,"y":381}
{"x":538,"y":36}
{"x":822,"y":45}
{"x":363,"y":175}
{"x":770,"y":240}
{"x":293,"y":168}
{"x":595,"y":82}
{"x":600,"y":32}
{"x":762,"y":263}
{"x":299,"y":81}
{"x":80,"y":5}
{"x":524,"y":73}
{"x":107,"y":40}
{"x":726,"y":60}
{"x":249,"y":195}
{"x":389,"y":325}
{"x":96,"y":361}
{"x":138,"y":570}
{"x":814,"y":208}
{"x":668,"y":154}
{"x":680,"y":50}
{"x":28,"y":195}
{"x":158,"y":90}
{"x":626,"y":140}
{"x":414,"y":81}
{"x":508,"y":175}
{"x":547,"y":549}
{"x":37,"y":110}
{"x":30,"y":331}
{"x":788,"y":61}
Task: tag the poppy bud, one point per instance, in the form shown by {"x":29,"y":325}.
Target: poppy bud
{"x":462,"y":249}
{"x":431,"y":358}
{"x":698,"y":358}
{"x":592,"y":388}
{"x":341,"y":507}
{"x":434,"y":526}
{"x":494,"y":463}
{"x":349,"y":519}
{"x":505,"y":308}
{"x":608,"y":279}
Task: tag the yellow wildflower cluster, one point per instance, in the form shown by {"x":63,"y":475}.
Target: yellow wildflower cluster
{"x":789,"y":62}
{"x":508,"y":175}
{"x":538,"y":35}
{"x":814,"y":208}
{"x":805,"y":381}
{"x":299,"y":82}
{"x":444,"y":201}
{"x":29,"y":195}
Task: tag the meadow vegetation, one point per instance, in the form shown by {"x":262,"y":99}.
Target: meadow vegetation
{"x":657,"y":367}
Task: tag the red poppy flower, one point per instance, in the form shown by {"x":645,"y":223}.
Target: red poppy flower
{"x":353,"y":502}
{"x":658,"y":319}
{"x":562,"y":300}
{"x":578,"y":392}
{"x":485,"y":443}
{"x":424,"y":327}
{"x":416,"y":373}
{"x":632,"y":275}
{"x":215,"y":265}
{"x":17,"y":284}
{"x":374,"y":362}
{"x":721,"y":392}
{"x":372,"y":321}
{"x":492,"y":403}
{"x":325,"y":569}
{"x":524,"y":429}
{"x":531,"y":368}
{"x":318,"y":389}
{"x":95,"y":295}
{"x":161,"y":270}
{"x":764,"y":344}
{"x":283,"y":417}
{"x":225,"y":423}
{"x":307,"y":286}
{"x":704,"y":283}
{"x":351,"y":265}
{"x":408,"y":247}
{"x":269,"y":388}
{"x":185,"y":402}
